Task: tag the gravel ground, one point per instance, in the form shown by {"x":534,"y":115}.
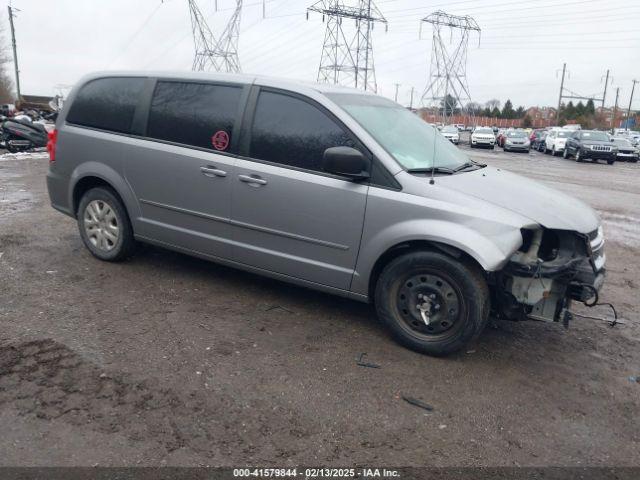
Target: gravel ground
{"x":169,"y":360}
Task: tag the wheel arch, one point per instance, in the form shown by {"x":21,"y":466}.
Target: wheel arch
{"x":92,"y":174}
{"x":410,"y":246}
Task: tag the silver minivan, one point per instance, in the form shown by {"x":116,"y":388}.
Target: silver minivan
{"x":327,"y":187}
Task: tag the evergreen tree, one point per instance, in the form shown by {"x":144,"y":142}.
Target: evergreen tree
{"x":590,"y":109}
{"x":507,"y":110}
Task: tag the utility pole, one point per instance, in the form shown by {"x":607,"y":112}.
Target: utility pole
{"x":15,"y":52}
{"x":211,"y":53}
{"x":606,"y":82}
{"x":630,"y":100}
{"x":447,"y":84}
{"x":396,"y":96}
{"x":564,"y":69}
{"x":615,"y":109}
{"x":348,"y":60}
{"x":411,"y":102}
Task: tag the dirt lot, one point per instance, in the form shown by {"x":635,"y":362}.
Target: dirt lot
{"x":169,"y":360}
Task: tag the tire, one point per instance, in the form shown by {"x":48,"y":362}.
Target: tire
{"x":610,"y":162}
{"x":546,"y":151}
{"x":553,"y":151}
{"x":460,"y":288}
{"x":565,"y":153}
{"x":578,"y":157}
{"x":104,"y":225}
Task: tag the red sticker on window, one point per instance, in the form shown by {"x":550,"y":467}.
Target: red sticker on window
{"x":220,"y":140}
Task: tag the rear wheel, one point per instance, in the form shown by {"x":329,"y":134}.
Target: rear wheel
{"x":104,"y":225}
{"x":431,"y":302}
{"x":578,"y":156}
{"x":565,"y":153}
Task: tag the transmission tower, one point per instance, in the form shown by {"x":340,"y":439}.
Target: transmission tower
{"x":347,"y":58}
{"x":447,"y":84}
{"x":220,"y":54}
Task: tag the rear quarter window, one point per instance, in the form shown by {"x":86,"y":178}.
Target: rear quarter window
{"x":107,"y":104}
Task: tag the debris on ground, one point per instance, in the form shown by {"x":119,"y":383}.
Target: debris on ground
{"x":277,"y":307}
{"x":418,"y":403}
{"x":360,"y":361}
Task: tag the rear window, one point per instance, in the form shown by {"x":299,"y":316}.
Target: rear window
{"x":107,"y":104}
{"x":195,"y":114}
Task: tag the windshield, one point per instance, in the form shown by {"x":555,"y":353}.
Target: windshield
{"x":516,"y":134}
{"x":596,"y":136}
{"x":449,"y":129}
{"x":405,"y":136}
{"x":562,"y":134}
{"x":483,"y":130}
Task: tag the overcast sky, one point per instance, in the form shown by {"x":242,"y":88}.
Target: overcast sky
{"x":523,"y":46}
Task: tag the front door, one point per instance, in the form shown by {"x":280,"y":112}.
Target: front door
{"x":182,"y":175}
{"x":289,"y":216}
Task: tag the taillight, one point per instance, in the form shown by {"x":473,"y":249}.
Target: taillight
{"x":51,"y":145}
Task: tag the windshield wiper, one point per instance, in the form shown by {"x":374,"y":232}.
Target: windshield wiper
{"x":431,"y":169}
{"x":466,"y":165}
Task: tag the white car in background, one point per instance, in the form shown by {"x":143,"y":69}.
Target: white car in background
{"x":451,"y":133}
{"x":482,"y":137}
{"x":556,"y":140}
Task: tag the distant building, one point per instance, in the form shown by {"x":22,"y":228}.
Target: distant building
{"x":35,"y":102}
{"x":542,"y":116}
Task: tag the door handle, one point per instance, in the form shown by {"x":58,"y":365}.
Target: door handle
{"x":212,"y":172}
{"x":251,"y":179}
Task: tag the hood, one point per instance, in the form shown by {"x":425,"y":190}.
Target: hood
{"x":543,"y":205}
{"x":598,"y":142}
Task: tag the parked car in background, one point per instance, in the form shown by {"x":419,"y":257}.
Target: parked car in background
{"x":590,"y":145}
{"x":459,"y":126}
{"x":500,"y":137}
{"x":626,"y":150}
{"x":482,"y":137}
{"x":555,"y":141}
{"x":230,"y":168}
{"x":451,"y":133}
{"x":516,"y":141}
{"x":537,"y":138}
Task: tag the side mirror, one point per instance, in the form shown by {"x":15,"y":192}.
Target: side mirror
{"x":346,"y":161}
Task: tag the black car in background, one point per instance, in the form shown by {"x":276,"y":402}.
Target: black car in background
{"x":590,"y":145}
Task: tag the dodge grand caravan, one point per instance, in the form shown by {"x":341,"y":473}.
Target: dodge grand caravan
{"x":327,"y":187}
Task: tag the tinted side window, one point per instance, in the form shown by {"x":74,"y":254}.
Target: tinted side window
{"x":290,"y":131}
{"x":195,"y":114}
{"x":107,"y":103}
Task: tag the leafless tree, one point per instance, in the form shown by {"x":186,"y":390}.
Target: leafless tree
{"x":493,"y":103}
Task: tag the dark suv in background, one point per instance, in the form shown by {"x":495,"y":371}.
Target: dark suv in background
{"x":590,"y":145}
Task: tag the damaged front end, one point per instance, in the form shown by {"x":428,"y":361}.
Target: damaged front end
{"x":551,"y":268}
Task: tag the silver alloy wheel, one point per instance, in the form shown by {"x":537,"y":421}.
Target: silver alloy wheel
{"x":101,"y":225}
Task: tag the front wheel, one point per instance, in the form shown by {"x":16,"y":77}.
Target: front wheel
{"x":565,"y":153}
{"x":610,"y":162}
{"x":431,"y":302}
{"x":104,"y":225}
{"x":578,"y":156}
